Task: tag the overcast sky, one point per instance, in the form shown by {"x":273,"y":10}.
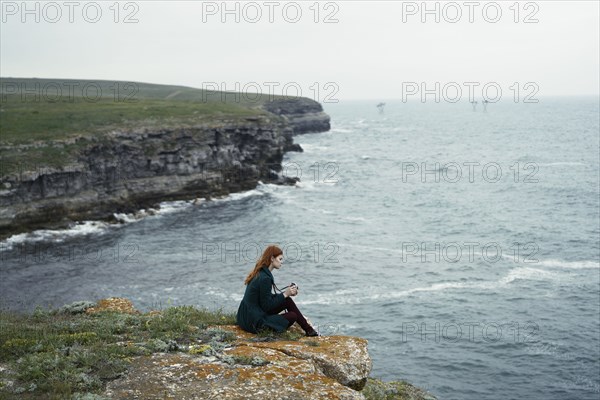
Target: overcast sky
{"x":368,"y":49}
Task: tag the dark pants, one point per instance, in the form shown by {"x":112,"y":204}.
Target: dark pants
{"x":292,"y":314}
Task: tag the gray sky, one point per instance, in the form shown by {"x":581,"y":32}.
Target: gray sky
{"x":370,"y":52}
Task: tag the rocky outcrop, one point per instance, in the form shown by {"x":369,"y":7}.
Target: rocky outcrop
{"x":242,"y":367}
{"x":304,"y":115}
{"x":126,"y":171}
{"x":178,"y":353}
{"x":333,"y":367}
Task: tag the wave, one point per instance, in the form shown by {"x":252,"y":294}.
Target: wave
{"x":355,"y":219}
{"x":531,"y":274}
{"x":554,"y":263}
{"x":309,"y":148}
{"x":352,"y":296}
{"x":339,"y":130}
{"x":345,"y":296}
{"x":311,"y":184}
{"x":100,"y":227}
{"x":585,"y":264}
{"x":240,"y":196}
{"x":568,"y":163}
{"x":317,"y":210}
{"x":55,"y":235}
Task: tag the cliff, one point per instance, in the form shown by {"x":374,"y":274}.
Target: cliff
{"x":334,"y":367}
{"x":109,"y":350}
{"x":137,"y":165}
{"x":304,"y":115}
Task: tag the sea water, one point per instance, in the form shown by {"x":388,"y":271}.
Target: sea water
{"x":464,"y":245}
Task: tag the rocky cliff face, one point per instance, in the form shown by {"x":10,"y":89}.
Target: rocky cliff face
{"x":249,"y":367}
{"x":129,"y":170}
{"x":304,"y":115}
{"x":333,"y":367}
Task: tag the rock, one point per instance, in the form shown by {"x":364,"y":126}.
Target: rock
{"x":225,"y":362}
{"x":399,"y":390}
{"x":76,"y":307}
{"x":115,"y":304}
{"x":343,"y":358}
{"x":183,"y":376}
{"x":333,"y":367}
{"x":87,"y":396}
{"x":304,"y":115}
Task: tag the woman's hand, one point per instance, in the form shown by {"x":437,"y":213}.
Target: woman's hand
{"x":291,"y":291}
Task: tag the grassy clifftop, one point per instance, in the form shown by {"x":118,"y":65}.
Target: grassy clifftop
{"x":78,"y":351}
{"x":51,"y":109}
{"x":57,"y":353}
{"x":37,"y":116}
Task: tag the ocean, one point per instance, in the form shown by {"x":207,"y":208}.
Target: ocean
{"x":464,"y":245}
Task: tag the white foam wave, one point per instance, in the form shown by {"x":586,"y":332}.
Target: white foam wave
{"x":239,"y":196}
{"x":317,"y":210}
{"x":309,"y":148}
{"x":347,"y":298}
{"x":96,"y":227}
{"x":358,"y":219}
{"x":55,"y":235}
{"x":261,"y":190}
{"x":307,"y":184}
{"x":350,"y":296}
{"x":568,"y":163}
{"x":585,"y":264}
{"x":166,"y":207}
{"x":530,"y":274}
{"x":340,"y":130}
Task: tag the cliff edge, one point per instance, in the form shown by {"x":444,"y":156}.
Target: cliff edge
{"x":304,"y":115}
{"x":79,"y":160}
{"x":110,"y":350}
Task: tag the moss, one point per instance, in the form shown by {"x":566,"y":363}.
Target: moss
{"x":255,"y":361}
{"x":200,"y":350}
{"x":376,"y":389}
{"x":53,"y":354}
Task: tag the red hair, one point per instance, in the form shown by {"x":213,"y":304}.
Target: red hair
{"x":264,"y":260}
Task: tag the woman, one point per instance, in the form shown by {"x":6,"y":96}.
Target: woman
{"x":260,"y":308}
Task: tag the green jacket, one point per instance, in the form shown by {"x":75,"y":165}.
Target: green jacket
{"x":252,"y":314}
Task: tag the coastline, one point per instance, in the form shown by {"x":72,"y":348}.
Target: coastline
{"x":133,"y":170}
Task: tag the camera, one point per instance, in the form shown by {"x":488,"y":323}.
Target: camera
{"x":293,"y":284}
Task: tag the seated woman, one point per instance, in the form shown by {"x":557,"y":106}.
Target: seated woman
{"x":260,"y":308}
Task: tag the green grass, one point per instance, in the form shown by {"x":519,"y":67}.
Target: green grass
{"x":27,"y":122}
{"x":54,"y":355}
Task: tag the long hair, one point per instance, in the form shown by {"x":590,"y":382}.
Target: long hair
{"x":265,"y":259}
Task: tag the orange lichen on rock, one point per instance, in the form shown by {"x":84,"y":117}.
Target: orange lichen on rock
{"x":343,"y":358}
{"x":183,"y":376}
{"x":115,"y":304}
{"x":331,"y":367}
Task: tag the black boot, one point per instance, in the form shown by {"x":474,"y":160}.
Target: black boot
{"x":312,"y":332}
